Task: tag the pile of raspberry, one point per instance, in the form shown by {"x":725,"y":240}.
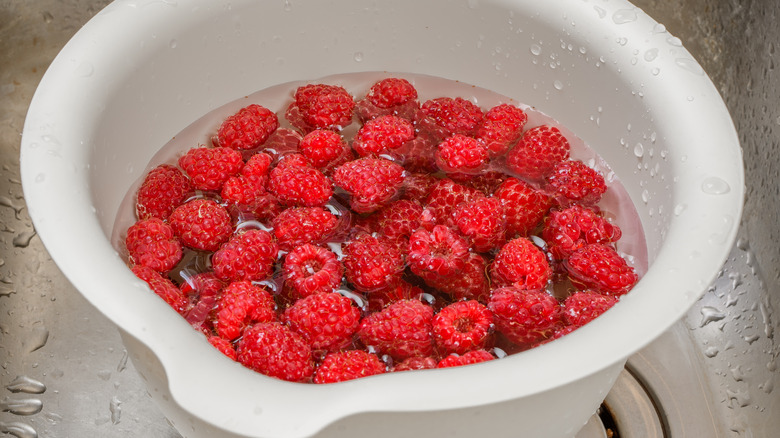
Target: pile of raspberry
{"x":440,"y":234}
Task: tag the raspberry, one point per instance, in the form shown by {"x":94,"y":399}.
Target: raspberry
{"x":401,"y":330}
{"x":372,"y":263}
{"x":521,"y":264}
{"x":224,"y":346}
{"x":454,"y":115}
{"x":326,"y":320}
{"x":163,"y":287}
{"x":567,"y":230}
{"x":486,"y":182}
{"x":322,"y":146}
{"x":441,"y":252}
{"x":525,"y":316}
{"x":371,"y":182}
{"x":164,"y":188}
{"x":240,"y":304}
{"x":202,"y":290}
{"x":151,"y":243}
{"x":324,"y":106}
{"x":472,"y":357}
{"x":201,"y":224}
{"x":461,"y":327}
{"x":242,"y":191}
{"x":524,"y":206}
{"x":417,"y":186}
{"x":461,"y":155}
{"x":573,"y":181}
{"x":209,"y":168}
{"x":583,"y":307}
{"x":399,"y":219}
{"x":294,"y":182}
{"x":275,"y":350}
{"x":348,"y":365}
{"x":246,"y":256}
{"x":600,"y":267}
{"x":482,"y":221}
{"x":382,"y":135}
{"x":537,"y":152}
{"x":391,"y":92}
{"x":502,"y":126}
{"x":299,"y":225}
{"x":470,"y":284}
{"x":445,"y":197}
{"x":248,"y":128}
{"x":416,"y":363}
{"x":257,"y":167}
{"x":309,"y":270}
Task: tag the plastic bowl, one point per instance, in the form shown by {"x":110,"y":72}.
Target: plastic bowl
{"x":140,"y":71}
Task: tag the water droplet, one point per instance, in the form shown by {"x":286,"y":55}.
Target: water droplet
{"x":18,"y":430}
{"x":651,"y":54}
{"x":358,"y":56}
{"x":26,"y":385}
{"x":622,"y":41}
{"x":690,"y":98}
{"x":767,"y":386}
{"x":710,"y":314}
{"x":674,"y":41}
{"x":711,"y":351}
{"x":536,"y":50}
{"x":558,"y":85}
{"x":584,"y":50}
{"x":624,"y":16}
{"x":741,"y":397}
{"x":122,"y":365}
{"x":601,"y":11}
{"x":173,"y":43}
{"x":690,"y":65}
{"x":287,"y":6}
{"x":639,"y":150}
{"x":645,"y":196}
{"x":24,"y":406}
{"x":715,"y":186}
{"x":659,"y":28}
{"x":22,"y":240}
{"x":751,"y":338}
{"x":36,"y":339}
{"x":85,"y":69}
{"x":655,"y":71}
{"x":116,"y":410}
{"x":6,"y":202}
{"x":39,"y":178}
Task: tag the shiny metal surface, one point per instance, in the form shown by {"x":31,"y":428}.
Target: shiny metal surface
{"x":64,"y":373}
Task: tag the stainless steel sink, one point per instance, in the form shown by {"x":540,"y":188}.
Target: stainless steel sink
{"x":64,"y":372}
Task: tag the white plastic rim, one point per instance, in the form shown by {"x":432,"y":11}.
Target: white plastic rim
{"x":140,"y":71}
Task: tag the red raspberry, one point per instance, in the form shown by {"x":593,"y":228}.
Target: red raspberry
{"x":525,"y":316}
{"x":209,"y":168}
{"x":202,"y":290}
{"x":470,"y":284}
{"x":348,"y":365}
{"x":163,"y":287}
{"x":567,"y":230}
{"x":445,"y":197}
{"x":326,"y":320}
{"x":573,"y":181}
{"x":240,"y":304}
{"x":322,"y":146}
{"x":275,"y":350}
{"x":382,"y":135}
{"x":416,"y":363}
{"x":310,"y":269}
{"x":399,"y":220}
{"x":417,"y":186}
{"x":537,"y":152}
{"x":201,"y":224}
{"x":600,"y":267}
{"x":151,"y":243}
{"x":224,"y":346}
{"x":461,"y":155}
{"x":583,"y":307}
{"x":248,"y":128}
{"x":257,"y":168}
{"x":299,"y":225}
{"x":521,"y":264}
{"x":482,"y":221}
{"x":246,"y":256}
{"x":372,"y":263}
{"x":461,"y":327}
{"x":524,"y":206}
{"x":370,"y":182}
{"x":401,"y":330}
{"x":441,"y":252}
{"x":502,"y":126}
{"x":472,"y":357}
{"x":242,"y":191}
{"x":454,"y":115}
{"x":164,"y":188}
{"x":294,"y":182}
{"x":486,"y":182}
{"x":324,"y":106}
{"x":391,"y":92}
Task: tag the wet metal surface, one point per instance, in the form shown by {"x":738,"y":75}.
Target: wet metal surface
{"x":64,"y":372}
